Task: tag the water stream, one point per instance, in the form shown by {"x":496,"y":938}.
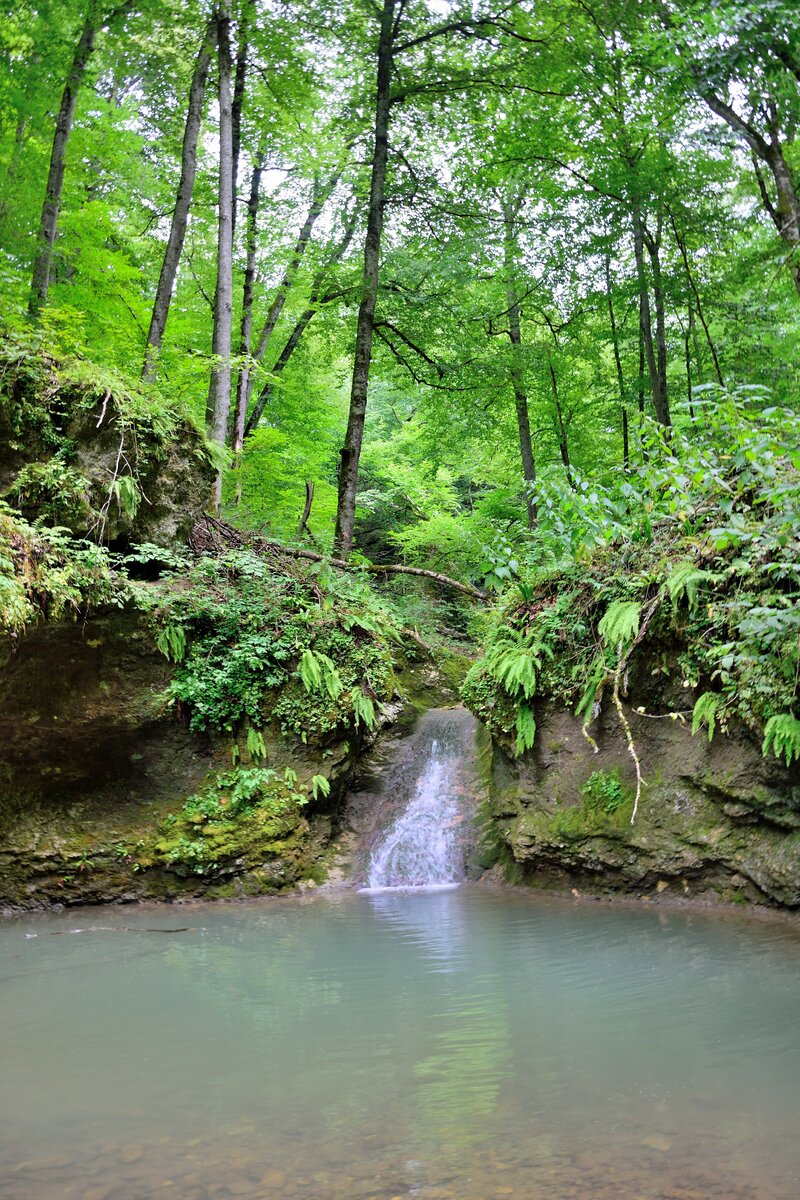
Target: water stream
{"x":421,"y":806}
{"x":462,"y":1044}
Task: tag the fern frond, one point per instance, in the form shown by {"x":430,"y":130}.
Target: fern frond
{"x":363,"y":708}
{"x":125,"y":491}
{"x":171,"y":641}
{"x":310,"y":670}
{"x":620,"y":622}
{"x":686,"y":579}
{"x":782,"y":737}
{"x":705,"y":713}
{"x":320,"y":786}
{"x":526,"y":729}
{"x":255,"y":744}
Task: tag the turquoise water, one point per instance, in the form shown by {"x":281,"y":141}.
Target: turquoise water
{"x":447,"y":1046}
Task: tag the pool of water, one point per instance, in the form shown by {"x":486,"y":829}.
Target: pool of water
{"x":455,"y":1045}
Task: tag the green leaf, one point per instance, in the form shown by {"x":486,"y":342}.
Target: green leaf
{"x":620,"y":622}
{"x":782,"y":737}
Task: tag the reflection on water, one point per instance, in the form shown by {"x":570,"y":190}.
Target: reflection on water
{"x":455,"y":1045}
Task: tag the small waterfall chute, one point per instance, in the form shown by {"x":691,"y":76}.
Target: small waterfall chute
{"x":422,"y":847}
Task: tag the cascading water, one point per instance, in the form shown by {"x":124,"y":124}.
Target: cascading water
{"x":422,"y":848}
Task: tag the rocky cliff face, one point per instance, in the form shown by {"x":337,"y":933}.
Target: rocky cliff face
{"x":715,"y":820}
{"x":83,"y":453}
{"x":93,"y":763}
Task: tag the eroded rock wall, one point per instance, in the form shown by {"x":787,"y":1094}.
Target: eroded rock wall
{"x":715,"y":818}
{"x":93,"y":758}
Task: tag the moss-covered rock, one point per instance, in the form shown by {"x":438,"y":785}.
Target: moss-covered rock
{"x":103,"y":783}
{"x":81,"y":450}
{"x":715,"y":819}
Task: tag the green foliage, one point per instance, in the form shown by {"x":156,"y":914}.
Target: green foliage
{"x":255,"y":743}
{"x":620,"y":622}
{"x":47,"y":574}
{"x":782,"y":737}
{"x":320,"y":786}
{"x":705,"y":713}
{"x":659,"y":585}
{"x":526,"y":729}
{"x":171,"y":641}
{"x":242,"y":815}
{"x":685,"y":580}
{"x":254,"y":640}
{"x":603,"y":792}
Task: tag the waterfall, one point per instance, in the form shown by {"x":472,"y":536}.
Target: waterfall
{"x":422,"y":848}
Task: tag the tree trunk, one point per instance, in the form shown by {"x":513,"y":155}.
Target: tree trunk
{"x":688,"y":336}
{"x":40,"y":281}
{"x":315,"y":301}
{"x":237,"y":103}
{"x":563,"y":445}
{"x":787,"y":210}
{"x":662,"y":410}
{"x":351,"y":450}
{"x":690,"y":279}
{"x":617,"y":360}
{"x":518,"y":367}
{"x":645,"y":320}
{"x":183,"y":199}
{"x":220,"y":388}
{"x":785,"y":215}
{"x":247,"y":307}
{"x":321,"y":195}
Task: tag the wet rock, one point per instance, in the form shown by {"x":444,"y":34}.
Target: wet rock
{"x":717,"y":820}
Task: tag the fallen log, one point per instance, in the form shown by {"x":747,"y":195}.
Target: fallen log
{"x":227,"y":535}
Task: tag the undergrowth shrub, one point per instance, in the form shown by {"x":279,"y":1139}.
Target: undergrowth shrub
{"x":691,"y":558}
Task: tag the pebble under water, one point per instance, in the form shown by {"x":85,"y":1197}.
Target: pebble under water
{"x":456,"y":1045}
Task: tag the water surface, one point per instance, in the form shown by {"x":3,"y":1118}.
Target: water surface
{"x":456,"y":1045}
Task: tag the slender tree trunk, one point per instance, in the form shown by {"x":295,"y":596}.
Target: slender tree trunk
{"x":321,"y":195}
{"x":563,"y":445}
{"x":220,"y":388}
{"x":518,"y":366}
{"x":659,"y":400}
{"x":654,"y":251}
{"x":617,"y":361}
{"x":48,"y":224}
{"x":641,"y":383}
{"x":351,"y":450}
{"x":687,"y":350}
{"x":690,"y":279}
{"x":315,"y":302}
{"x":246,"y":327}
{"x":237,"y":103}
{"x":183,"y":199}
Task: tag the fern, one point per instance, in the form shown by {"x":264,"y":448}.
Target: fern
{"x":125,"y":491}
{"x":782,"y":737}
{"x":514,"y":662}
{"x":686,"y":580}
{"x":310,"y":670}
{"x":526,"y":728}
{"x":317,"y":672}
{"x":705,"y":713}
{"x":320,"y":786}
{"x":171,"y":641}
{"x":620,"y":622}
{"x":255,"y":744}
{"x":363,"y":708}
{"x":598,"y":671}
